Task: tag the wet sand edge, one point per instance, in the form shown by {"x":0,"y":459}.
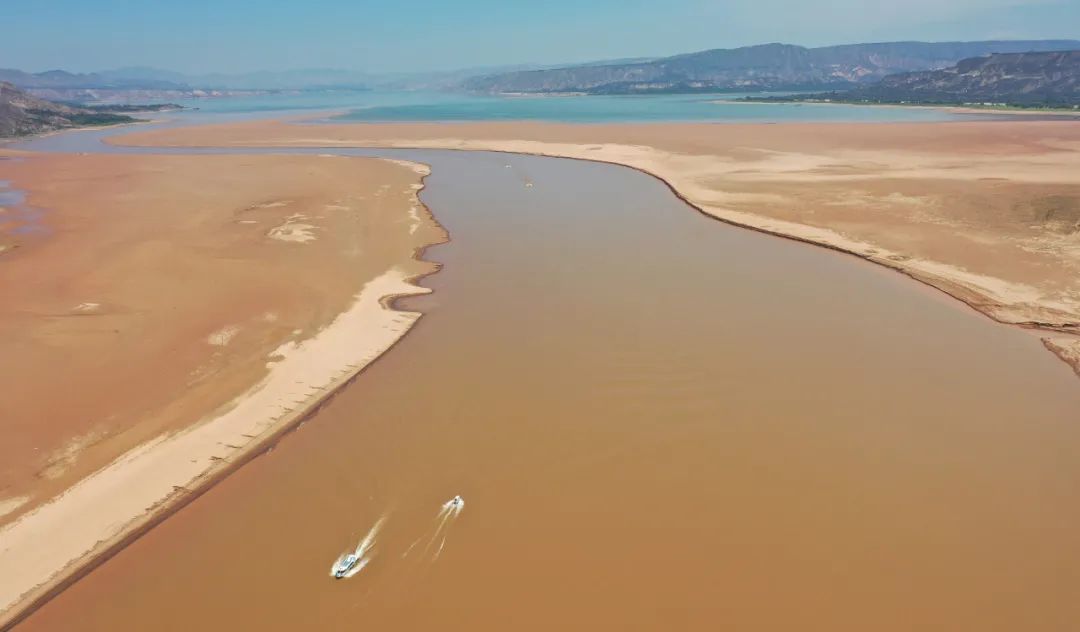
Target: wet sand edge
{"x":186,"y":493}
{"x":1065,"y":348}
{"x":1063,"y":326}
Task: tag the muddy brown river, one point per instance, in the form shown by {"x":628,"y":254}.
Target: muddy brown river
{"x":657,"y":422}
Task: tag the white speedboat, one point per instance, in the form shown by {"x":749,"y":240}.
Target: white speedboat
{"x":344,"y":564}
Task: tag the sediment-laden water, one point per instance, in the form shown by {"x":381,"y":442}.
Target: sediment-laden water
{"x":657,"y":421}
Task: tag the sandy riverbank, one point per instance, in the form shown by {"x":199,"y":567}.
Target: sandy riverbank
{"x":988,"y":212}
{"x":806,"y":429}
{"x":165,"y":316}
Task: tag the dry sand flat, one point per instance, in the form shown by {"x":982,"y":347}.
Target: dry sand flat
{"x":167,"y":312}
{"x":986,"y":211}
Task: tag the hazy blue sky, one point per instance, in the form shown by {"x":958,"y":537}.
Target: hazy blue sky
{"x":235,"y":35}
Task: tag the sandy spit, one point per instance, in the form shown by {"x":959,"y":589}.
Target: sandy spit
{"x":147,"y":322}
{"x":47,"y":545}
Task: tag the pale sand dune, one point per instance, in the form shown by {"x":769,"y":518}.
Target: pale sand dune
{"x":988,"y":212}
{"x":294,"y":228}
{"x":221,"y":337}
{"x":163,"y":348}
{"x":86,"y":519}
{"x":8,"y":505}
{"x":148,"y":321}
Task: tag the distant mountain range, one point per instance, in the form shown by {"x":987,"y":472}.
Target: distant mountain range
{"x":1012,"y":79}
{"x":768,"y":67}
{"x":142,"y":84}
{"x":151,"y":84}
{"x":60,"y":79}
{"x":756,"y":68}
{"x":138,"y":78}
{"x":22,"y":114}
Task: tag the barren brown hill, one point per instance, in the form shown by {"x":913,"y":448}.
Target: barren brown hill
{"x":22,"y":114}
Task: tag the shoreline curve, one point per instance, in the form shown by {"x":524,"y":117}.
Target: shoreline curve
{"x":1065,"y":343}
{"x":1066,"y":347}
{"x":398,"y":285}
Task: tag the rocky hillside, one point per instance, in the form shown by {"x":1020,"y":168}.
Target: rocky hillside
{"x":1023,"y":79}
{"x":139,"y":84}
{"x":22,"y":114}
{"x":755,"y":68}
{"x":61,"y":79}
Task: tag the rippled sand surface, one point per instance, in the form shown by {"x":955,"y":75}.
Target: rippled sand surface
{"x":657,"y":422}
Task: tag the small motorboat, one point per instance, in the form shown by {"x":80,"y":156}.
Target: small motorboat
{"x":344,"y":564}
{"x":457,"y":501}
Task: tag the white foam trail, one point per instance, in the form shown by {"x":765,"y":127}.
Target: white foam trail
{"x":444,"y":517}
{"x":411,"y":547}
{"x":369,"y":540}
{"x":363,"y":551}
{"x":438,"y":552}
{"x":449,"y":512}
{"x":356,"y":569}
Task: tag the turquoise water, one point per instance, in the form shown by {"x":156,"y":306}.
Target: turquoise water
{"x":343,"y":101}
{"x":439,"y":106}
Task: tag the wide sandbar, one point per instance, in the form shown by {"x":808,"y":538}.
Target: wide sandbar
{"x":165,"y":314}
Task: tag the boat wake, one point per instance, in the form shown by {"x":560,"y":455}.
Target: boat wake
{"x":436,"y":539}
{"x":359,"y":566}
{"x":349,"y":564}
{"x":430,"y":545}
